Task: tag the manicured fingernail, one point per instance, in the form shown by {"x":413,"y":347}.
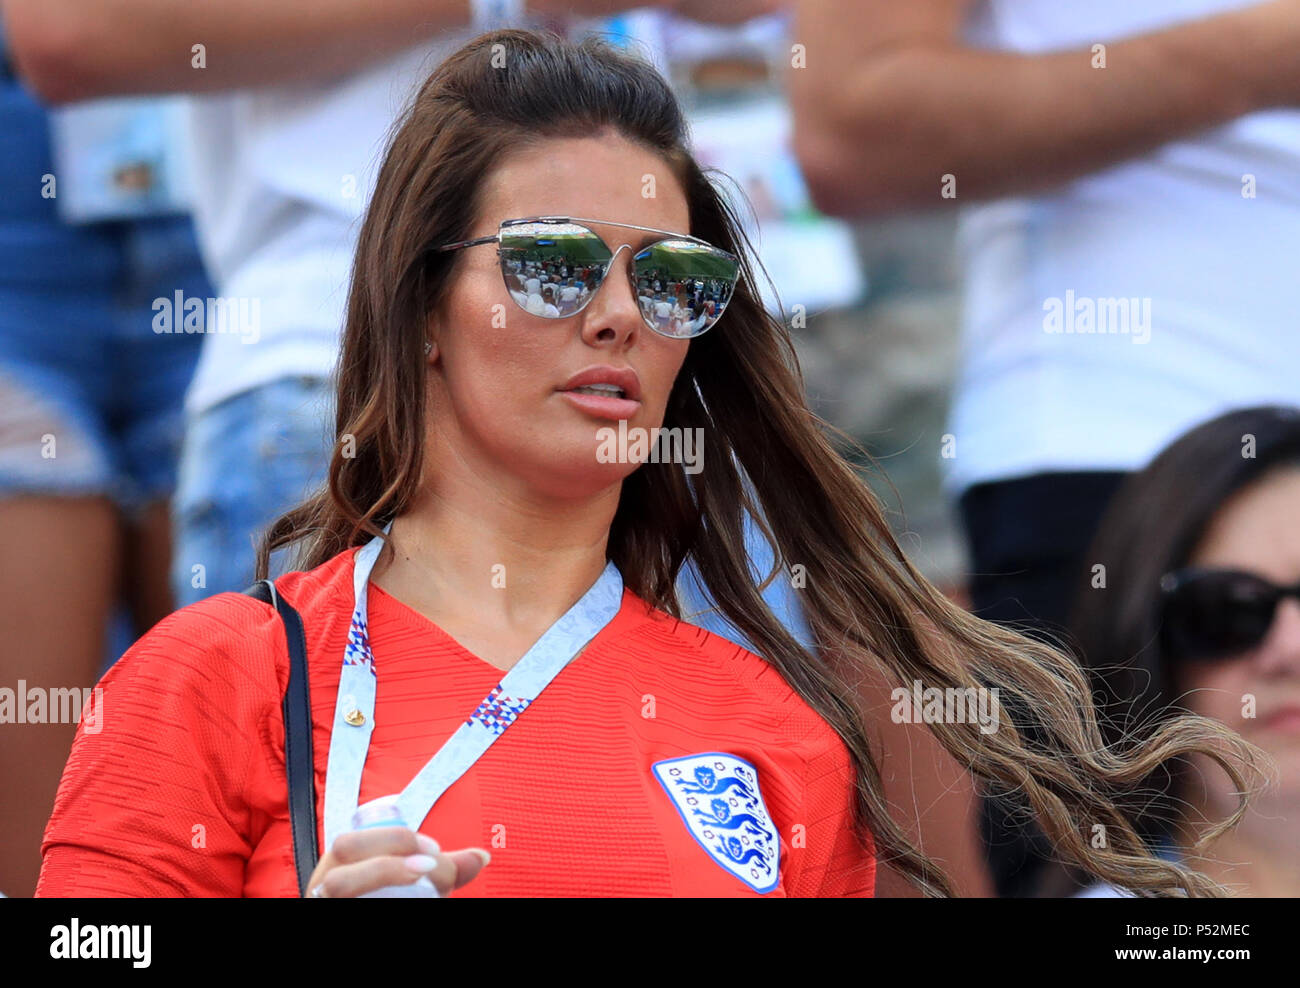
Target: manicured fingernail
{"x":421,"y":864}
{"x":427,"y":844}
{"x":483,"y":854}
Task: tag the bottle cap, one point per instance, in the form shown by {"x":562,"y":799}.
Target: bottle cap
{"x":381,"y":812}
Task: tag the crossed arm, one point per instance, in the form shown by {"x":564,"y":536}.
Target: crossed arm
{"x":892,"y":99}
{"x":71,"y":50}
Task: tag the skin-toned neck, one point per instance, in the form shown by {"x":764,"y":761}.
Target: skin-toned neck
{"x":491,"y":561}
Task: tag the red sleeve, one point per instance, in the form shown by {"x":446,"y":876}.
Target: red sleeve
{"x":155,"y":798}
{"x":835,"y":861}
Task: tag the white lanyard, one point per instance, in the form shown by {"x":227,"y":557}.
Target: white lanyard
{"x":354,"y":713}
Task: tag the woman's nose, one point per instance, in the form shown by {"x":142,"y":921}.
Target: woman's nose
{"x":614,"y":313}
{"x":1280,"y":651}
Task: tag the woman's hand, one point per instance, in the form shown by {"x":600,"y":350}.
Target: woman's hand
{"x":362,"y":861}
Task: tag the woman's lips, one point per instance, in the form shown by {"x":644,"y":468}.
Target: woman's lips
{"x":1287,"y":720}
{"x":610,"y":407}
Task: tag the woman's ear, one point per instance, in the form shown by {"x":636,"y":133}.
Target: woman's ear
{"x":431,"y":341}
{"x":431,"y":338}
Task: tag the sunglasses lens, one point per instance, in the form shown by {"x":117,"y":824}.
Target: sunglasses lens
{"x":683,"y":286}
{"x":1218,"y":614}
{"x":552,"y":269}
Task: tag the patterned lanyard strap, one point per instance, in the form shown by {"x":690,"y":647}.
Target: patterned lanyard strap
{"x":354,"y":713}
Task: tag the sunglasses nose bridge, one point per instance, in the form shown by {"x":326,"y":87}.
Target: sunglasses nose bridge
{"x":609,"y":266}
{"x":614,"y":257}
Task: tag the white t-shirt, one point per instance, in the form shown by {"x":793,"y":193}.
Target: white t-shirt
{"x":282,"y":178}
{"x":1205,"y":276}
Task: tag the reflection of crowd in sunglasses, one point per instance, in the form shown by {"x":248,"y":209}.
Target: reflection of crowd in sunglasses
{"x":550,"y":287}
{"x":682,"y":307}
{"x":555,"y":287}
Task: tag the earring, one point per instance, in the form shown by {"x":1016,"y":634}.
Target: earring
{"x":428,"y":348}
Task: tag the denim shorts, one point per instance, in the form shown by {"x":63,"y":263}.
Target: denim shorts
{"x":245,"y":462}
{"x":90,"y":396}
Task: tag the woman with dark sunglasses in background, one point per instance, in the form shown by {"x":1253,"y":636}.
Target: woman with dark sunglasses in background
{"x":471,"y":528}
{"x":1195,"y":606}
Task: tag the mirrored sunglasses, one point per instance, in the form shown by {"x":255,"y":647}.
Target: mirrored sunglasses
{"x":554,"y":265}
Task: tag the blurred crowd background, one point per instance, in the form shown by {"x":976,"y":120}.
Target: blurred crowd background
{"x":1023,"y":247}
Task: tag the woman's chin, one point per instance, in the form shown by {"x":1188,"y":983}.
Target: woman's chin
{"x":579,"y":472}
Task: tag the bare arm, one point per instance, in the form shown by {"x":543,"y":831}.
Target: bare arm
{"x":931,"y":797}
{"x":72,"y":50}
{"x":891,"y":99}
{"x":78,"y":49}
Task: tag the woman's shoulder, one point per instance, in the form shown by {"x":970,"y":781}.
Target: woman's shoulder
{"x":185,"y":734}
{"x":242,"y":632}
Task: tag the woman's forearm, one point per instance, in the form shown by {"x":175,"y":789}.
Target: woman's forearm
{"x":72,"y":50}
{"x":884,"y":111}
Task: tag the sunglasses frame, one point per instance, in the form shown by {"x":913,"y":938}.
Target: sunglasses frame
{"x":1172,"y":582}
{"x":581,"y":221}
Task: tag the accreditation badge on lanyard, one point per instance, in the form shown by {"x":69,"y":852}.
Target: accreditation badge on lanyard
{"x":354,"y":713}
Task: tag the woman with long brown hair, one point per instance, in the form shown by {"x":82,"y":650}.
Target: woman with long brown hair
{"x":495,"y":504}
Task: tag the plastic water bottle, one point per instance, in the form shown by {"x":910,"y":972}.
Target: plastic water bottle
{"x":384,"y":812}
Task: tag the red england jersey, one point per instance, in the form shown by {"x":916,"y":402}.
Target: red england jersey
{"x":663,"y":760}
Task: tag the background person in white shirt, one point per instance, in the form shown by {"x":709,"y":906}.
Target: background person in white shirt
{"x":1144,"y":160}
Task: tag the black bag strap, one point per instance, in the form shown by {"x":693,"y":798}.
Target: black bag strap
{"x":297,"y":736}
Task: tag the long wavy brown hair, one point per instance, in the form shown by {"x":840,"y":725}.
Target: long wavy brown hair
{"x":873,"y":617}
